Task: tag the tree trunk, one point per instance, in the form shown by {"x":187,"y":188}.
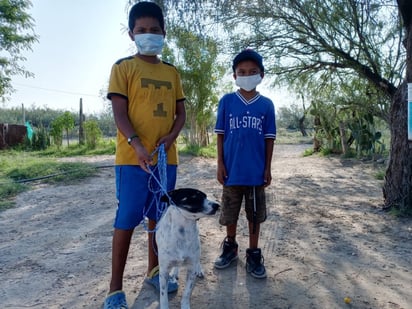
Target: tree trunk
{"x":316,"y":142}
{"x":397,"y":189}
{"x":302,"y":126}
{"x":343,"y":141}
{"x":67,"y":136}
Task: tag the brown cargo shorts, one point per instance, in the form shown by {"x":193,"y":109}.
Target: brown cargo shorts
{"x":232,"y":199}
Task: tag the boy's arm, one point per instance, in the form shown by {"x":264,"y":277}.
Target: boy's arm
{"x":120,"y":107}
{"x":269,"y":142}
{"x":221,"y":169}
{"x":178,"y":124}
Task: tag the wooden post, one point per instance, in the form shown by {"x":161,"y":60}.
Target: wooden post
{"x":81,"y":118}
{"x":24,"y":113}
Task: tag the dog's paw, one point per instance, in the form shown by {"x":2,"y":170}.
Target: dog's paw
{"x":199,"y":272}
{"x":200,"y":275}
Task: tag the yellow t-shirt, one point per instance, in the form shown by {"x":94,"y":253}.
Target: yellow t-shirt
{"x":152,"y":91}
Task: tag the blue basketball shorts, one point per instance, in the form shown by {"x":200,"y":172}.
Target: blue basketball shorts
{"x":137,"y":193}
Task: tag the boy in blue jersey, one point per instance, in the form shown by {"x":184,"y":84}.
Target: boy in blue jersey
{"x":246,"y":130}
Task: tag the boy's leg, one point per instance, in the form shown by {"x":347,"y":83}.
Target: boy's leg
{"x":231,"y":232}
{"x":120,"y":250}
{"x":256,"y":214}
{"x":231,"y":203}
{"x":152,"y":260}
{"x":130,"y":182}
{"x":253,"y":235}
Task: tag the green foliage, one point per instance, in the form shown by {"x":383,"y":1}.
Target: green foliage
{"x":16,"y":35}
{"x":106,"y":122}
{"x":400,"y":212}
{"x":344,"y":57}
{"x":92,"y":132}
{"x":361,"y":128}
{"x":285,"y":136}
{"x":39,"y":141}
{"x":198,"y":151}
{"x":308,"y":152}
{"x":56,"y":132}
{"x":17,"y":166}
{"x":380,"y":174}
{"x":64,"y":122}
{"x":196,"y":57}
{"x":8,"y":189}
{"x":288,"y":117}
{"x":36,"y":116}
{"x":104,"y":147}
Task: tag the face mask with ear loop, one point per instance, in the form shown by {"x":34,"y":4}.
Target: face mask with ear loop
{"x":248,"y":83}
{"x":149,"y":44}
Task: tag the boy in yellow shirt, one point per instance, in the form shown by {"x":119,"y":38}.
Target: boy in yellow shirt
{"x":148,"y":107}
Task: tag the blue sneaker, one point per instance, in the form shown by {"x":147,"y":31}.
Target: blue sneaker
{"x":153,"y":280}
{"x":116,"y":300}
{"x":229,"y":254}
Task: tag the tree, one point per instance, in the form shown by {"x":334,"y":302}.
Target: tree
{"x":317,"y":42}
{"x":63,"y":122}
{"x":93,"y":133}
{"x":67,"y":122}
{"x":196,"y":59}
{"x":16,"y":36}
{"x":397,"y":189}
{"x":292,"y":117}
{"x":311,"y":45}
{"x":56,"y":132}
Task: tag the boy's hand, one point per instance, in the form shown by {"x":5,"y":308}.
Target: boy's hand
{"x":167,"y":140}
{"x":143,"y":157}
{"x":267,"y":178}
{"x":221,"y":173}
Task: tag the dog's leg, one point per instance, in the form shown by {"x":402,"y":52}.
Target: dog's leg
{"x":199,"y":271}
{"x":190,"y":283}
{"x":163,"y":278}
{"x":174,"y":274}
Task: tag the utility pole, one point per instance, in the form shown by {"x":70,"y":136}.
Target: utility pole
{"x":81,"y":119}
{"x":24,"y":113}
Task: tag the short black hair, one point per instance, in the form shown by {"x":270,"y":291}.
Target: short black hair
{"x":248,"y":54}
{"x":146,"y":9}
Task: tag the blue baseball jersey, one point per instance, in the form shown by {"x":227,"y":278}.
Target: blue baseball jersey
{"x":245,"y":126}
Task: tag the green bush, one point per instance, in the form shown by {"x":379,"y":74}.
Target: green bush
{"x":92,"y":133}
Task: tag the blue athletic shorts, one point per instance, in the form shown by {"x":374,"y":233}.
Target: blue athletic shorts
{"x":134,"y":192}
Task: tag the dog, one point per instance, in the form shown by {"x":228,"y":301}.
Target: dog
{"x":177,"y":238}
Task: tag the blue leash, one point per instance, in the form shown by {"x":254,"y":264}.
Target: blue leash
{"x":158,"y":186}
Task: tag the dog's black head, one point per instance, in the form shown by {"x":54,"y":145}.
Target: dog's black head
{"x":191,"y":200}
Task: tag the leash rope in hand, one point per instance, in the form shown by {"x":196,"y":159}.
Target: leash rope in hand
{"x":158,"y":186}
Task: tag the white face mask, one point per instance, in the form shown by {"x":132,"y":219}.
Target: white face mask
{"x":248,"y":83}
{"x":149,"y":44}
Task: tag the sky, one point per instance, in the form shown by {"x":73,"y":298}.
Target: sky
{"x":79,"y":40}
{"x":78,"y":43}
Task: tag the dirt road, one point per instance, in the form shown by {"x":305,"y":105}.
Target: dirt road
{"x":325,"y":239}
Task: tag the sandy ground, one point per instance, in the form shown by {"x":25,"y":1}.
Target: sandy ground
{"x":325,"y":239}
